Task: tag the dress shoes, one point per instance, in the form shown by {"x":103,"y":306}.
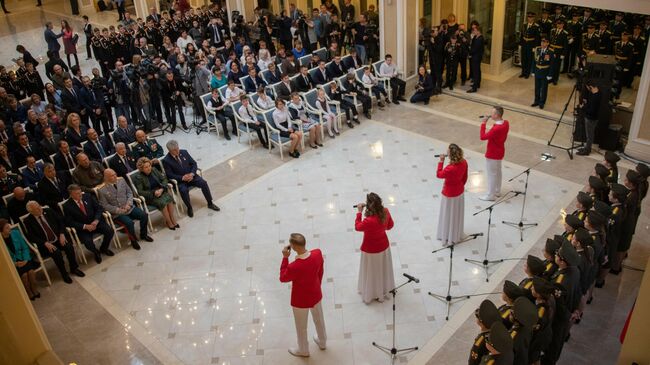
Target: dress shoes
{"x":472,"y":90}
{"x":98,"y":257}
{"x":317,"y":341}
{"x":583,"y":152}
{"x":67,"y":279}
{"x":401,"y":98}
{"x":227,"y":137}
{"x":107,"y":252}
{"x":487,"y":198}
{"x":356,"y":119}
{"x":534,"y":104}
{"x":541,"y":106}
{"x":350,"y":125}
{"x":78,"y":272}
{"x":214,"y":207}
{"x":135,"y":245}
{"x":297,"y":353}
{"x":395,"y":101}
{"x":190,"y":212}
{"x":146,"y":238}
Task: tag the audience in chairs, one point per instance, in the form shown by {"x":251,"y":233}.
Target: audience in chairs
{"x":253,"y":120}
{"x":264,"y":101}
{"x":83,"y":213}
{"x":217,"y":106}
{"x":151,"y":184}
{"x":64,"y":159}
{"x":98,"y":147}
{"x":282,"y":121}
{"x":53,"y":188}
{"x":21,"y":256}
{"x":116,"y":197}
{"x":45,"y":228}
{"x":147,"y":147}
{"x":87,"y":174}
{"x":17,"y":205}
{"x":309,"y":123}
{"x":32,"y":173}
{"x":122,"y":162}
{"x":124,"y":132}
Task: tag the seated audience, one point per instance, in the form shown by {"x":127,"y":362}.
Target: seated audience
{"x":152,"y":185}
{"x":21,"y":256}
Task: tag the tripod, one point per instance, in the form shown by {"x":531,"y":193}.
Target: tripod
{"x":485,"y":263}
{"x":196,"y":120}
{"x":449,"y":299}
{"x":393,"y":351}
{"x":521,"y":226}
{"x":573,"y":96}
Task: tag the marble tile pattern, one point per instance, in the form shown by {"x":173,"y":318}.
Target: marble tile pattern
{"x":210,"y":293}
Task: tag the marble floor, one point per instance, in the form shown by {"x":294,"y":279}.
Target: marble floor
{"x":210,"y":294}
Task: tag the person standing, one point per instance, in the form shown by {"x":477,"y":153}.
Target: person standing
{"x":496,"y":139}
{"x":590,"y":107}
{"x":88,"y":31}
{"x":476,"y":50}
{"x":529,"y":39}
{"x":52,"y":39}
{"x":542,"y":60}
{"x":452,"y":206}
{"x":69,"y":42}
{"x":376,"y":277}
{"x":306,"y":275}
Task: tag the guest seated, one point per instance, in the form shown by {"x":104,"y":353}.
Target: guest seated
{"x":21,"y":257}
{"x":253,"y":81}
{"x":321,"y":76}
{"x":45,"y":228}
{"x":23,"y":149}
{"x":264,"y":101}
{"x":122,"y":162}
{"x":253,"y":120}
{"x":32,"y":173}
{"x":147,"y":147}
{"x":75,"y":133}
{"x":180,"y":166}
{"x":97,"y":148}
{"x":53,"y":187}
{"x":65,"y":158}
{"x":377,"y":87}
{"x":274,"y":75}
{"x":49,"y":143}
{"x":282,"y":121}
{"x":217,"y":106}
{"x":151,"y":184}
{"x":286,"y":87}
{"x":233,"y":92}
{"x":309,"y":122}
{"x":7,"y":182}
{"x":124,"y":133}
{"x":17,"y":205}
{"x":116,"y":197}
{"x":304,"y":82}
{"x":328,"y":112}
{"x":87,"y":174}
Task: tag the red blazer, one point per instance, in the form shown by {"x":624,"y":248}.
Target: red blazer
{"x":306,"y":276}
{"x":455,"y":176}
{"x":496,"y":138}
{"x":374,"y":232}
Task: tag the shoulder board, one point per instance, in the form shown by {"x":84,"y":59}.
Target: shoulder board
{"x":549,"y":266}
{"x":559,"y":279}
{"x":513,"y":334}
{"x":540,"y":312}
{"x":528,"y":285}
{"x":479,"y":340}
{"x":490,"y":362}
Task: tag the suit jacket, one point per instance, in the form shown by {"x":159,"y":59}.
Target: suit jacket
{"x":175,"y":170}
{"x":75,"y":218}
{"x":73,"y":138}
{"x":30,"y":178}
{"x":18,"y":208}
{"x":91,"y":149}
{"x":36,"y":233}
{"x":251,"y":87}
{"x":61,"y":164}
{"x":273,"y":77}
{"x":288,"y":68}
{"x":125,"y":136}
{"x":20,"y":154}
{"x":71,"y":102}
{"x":215,"y":34}
{"x":351,"y":62}
{"x":52,"y":40}
{"x":112,"y":198}
{"x":120,"y":168}
{"x":304,"y":83}
{"x":52,"y":193}
{"x":319,"y":78}
{"x":49,"y":148}
{"x":91,"y":99}
{"x":283,"y":91}
{"x":335,"y":70}
{"x":7,"y":186}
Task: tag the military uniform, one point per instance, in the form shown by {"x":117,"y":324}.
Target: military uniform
{"x":624,"y":52}
{"x":525,"y":315}
{"x":638,"y":53}
{"x":574,"y":27}
{"x":617,"y":28}
{"x":542,"y":69}
{"x":452,"y":56}
{"x":559,"y":42}
{"x":529,"y":40}
{"x":604,"y":42}
{"x":150,"y":149}
{"x":589,"y":43}
{"x":542,"y":332}
{"x":500,"y":340}
{"x":486,"y":314}
{"x":545,"y":26}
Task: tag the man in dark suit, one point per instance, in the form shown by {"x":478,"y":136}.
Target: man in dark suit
{"x":124,"y":133}
{"x":25,"y":148}
{"x":304,"y":82}
{"x":52,"y":39}
{"x":32,"y":173}
{"x":476,"y":49}
{"x":64,"y":160}
{"x":98,"y":147}
{"x":16,"y":206}
{"x":273,"y":75}
{"x":336,"y":68}
{"x":84,"y":214}
{"x":285,"y":88}
{"x":71,"y":99}
{"x":49,"y":142}
{"x":180,"y":166}
{"x":253,"y":81}
{"x":171,"y":89}
{"x":215,"y":32}
{"x":45,"y":228}
{"x":92,"y":101}
{"x":353,"y":61}
{"x":320,"y":75}
{"x":122,"y":162}
{"x":289,"y":65}
{"x":53,"y":187}
{"x":7,"y":182}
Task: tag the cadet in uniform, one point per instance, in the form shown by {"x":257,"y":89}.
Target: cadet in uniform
{"x":452,"y":56}
{"x":533,"y":267}
{"x":550,"y":250}
{"x":604,"y":39}
{"x":499,"y":345}
{"x":611,"y":159}
{"x":595,"y":224}
{"x":624,"y":52}
{"x":638,"y":52}
{"x":545,"y":25}
{"x":629,"y":222}
{"x":574,"y":27}
{"x":617,"y":27}
{"x":486,"y":315}
{"x":545,"y":303}
{"x":511,"y":292}
{"x":543,"y":57}
{"x":617,"y":195}
{"x":529,"y":40}
{"x":597,"y":189}
{"x":524,"y":315}
{"x":606,"y":212}
{"x":571,"y":223}
{"x":583,"y":204}
{"x":582,"y":242}
{"x":590,"y":41}
{"x":559,"y":44}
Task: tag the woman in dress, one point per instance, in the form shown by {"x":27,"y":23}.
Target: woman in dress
{"x":328,"y":112}
{"x":376,"y":277}
{"x":69,"y":43}
{"x":452,"y":207}
{"x":151,"y":184}
{"x":282,"y":121}
{"x":75,"y":133}
{"x":309,"y":123}
{"x":21,"y":256}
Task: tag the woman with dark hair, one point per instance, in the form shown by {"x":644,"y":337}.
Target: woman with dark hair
{"x":376,"y":277}
{"x":21,"y":256}
{"x":27,"y":57}
{"x":452,"y":206}
{"x":69,"y":42}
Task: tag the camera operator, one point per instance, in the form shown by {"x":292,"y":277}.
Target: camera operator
{"x":101,"y":84}
{"x":93,"y":100}
{"x":200,"y":86}
{"x":372,"y":43}
{"x":590,"y":107}
{"x":347,"y":18}
{"x":333,"y":30}
{"x":153,"y":79}
{"x":171,"y":89}
{"x":120,"y":86}
{"x":265,"y":24}
{"x":140,"y":92}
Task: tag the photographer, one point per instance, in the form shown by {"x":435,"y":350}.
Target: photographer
{"x":590,"y":106}
{"x":171,"y":89}
{"x":120,"y":86}
{"x":284,"y":24}
{"x":93,"y":100}
{"x":200,"y":86}
{"x":140,"y":95}
{"x":360,"y":37}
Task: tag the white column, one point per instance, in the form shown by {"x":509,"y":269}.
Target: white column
{"x":638,"y":144}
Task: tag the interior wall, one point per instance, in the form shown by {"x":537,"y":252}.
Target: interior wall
{"x":635,"y":347}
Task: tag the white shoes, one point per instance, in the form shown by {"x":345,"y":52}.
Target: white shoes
{"x":317,"y":341}
{"x":487,"y":198}
{"x":297,"y":353}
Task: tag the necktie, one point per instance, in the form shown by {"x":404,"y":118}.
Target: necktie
{"x":115,"y":187}
{"x":73,"y":93}
{"x":126,"y":164}
{"x":178,"y":159}
{"x":49,"y":233}
{"x":81,"y":206}
{"x":102,"y":154}
{"x":70,"y":161}
{"x":52,"y":141}
{"x":28,"y":149}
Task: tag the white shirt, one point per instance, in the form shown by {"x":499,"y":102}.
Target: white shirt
{"x":182,"y":43}
{"x":247,"y":114}
{"x":387,"y":70}
{"x":281,"y":116}
{"x":303,"y":256}
{"x":369,"y":79}
{"x":266,"y":103}
{"x":234,"y":93}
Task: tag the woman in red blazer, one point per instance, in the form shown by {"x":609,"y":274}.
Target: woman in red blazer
{"x":452,"y":207}
{"x":376,"y":278}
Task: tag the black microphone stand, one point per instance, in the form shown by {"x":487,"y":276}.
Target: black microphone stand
{"x":393,"y":351}
{"x":521,"y":226}
{"x":448,"y":298}
{"x":485,"y":262}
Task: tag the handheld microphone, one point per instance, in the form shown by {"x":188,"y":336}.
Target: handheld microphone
{"x":440,"y":154}
{"x":483,"y":116}
{"x":411,"y":278}
{"x":354,"y":206}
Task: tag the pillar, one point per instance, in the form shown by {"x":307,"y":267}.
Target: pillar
{"x":638,"y":143}
{"x":635,"y":347}
{"x":398,"y":27}
{"x":498,"y":24}
{"x":142,"y":7}
{"x":22,"y":340}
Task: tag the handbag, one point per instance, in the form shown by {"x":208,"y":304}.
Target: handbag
{"x":75,"y":38}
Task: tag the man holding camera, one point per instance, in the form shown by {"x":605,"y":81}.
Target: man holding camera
{"x":173,"y":100}
{"x":590,"y":106}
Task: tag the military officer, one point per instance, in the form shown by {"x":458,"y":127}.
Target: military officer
{"x":550,"y":250}
{"x":617,"y":26}
{"x":542,"y":291}
{"x":604,"y":39}
{"x":590,"y":41}
{"x":545,"y":24}
{"x":543,"y":57}
{"x":574,"y":27}
{"x":586,"y":19}
{"x":499,"y":345}
{"x":511,"y":291}
{"x":557,"y":15}
{"x":571,"y":223}
{"x":529,"y":40}
{"x":624,"y":52}
{"x":595,"y":224}
{"x":452,"y":56}
{"x":147,"y":147}
{"x":533,"y":267}
{"x":597,"y":189}
{"x":559,"y":40}
{"x":524,"y":315}
{"x":638,"y":52}
{"x":486,"y":315}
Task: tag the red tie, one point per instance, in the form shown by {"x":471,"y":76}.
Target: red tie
{"x":82,"y":207}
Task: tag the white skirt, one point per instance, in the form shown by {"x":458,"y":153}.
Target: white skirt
{"x":451,"y":219}
{"x":376,"y":277}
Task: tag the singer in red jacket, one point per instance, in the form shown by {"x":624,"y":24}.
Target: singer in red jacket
{"x":376,"y":277}
{"x":305,"y":274}
{"x":452,"y":206}
{"x":496,"y":139}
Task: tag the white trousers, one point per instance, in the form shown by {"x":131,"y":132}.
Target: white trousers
{"x":300,"y":316}
{"x":493,"y":168}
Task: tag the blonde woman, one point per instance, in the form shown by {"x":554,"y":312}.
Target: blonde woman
{"x":326,"y":112}
{"x":151,"y":184}
{"x":75,"y":133}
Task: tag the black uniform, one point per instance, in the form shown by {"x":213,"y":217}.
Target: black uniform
{"x":604,"y":42}
{"x":463,"y":39}
{"x":530,"y":35}
{"x":567,"y":281}
{"x":589,"y":43}
{"x":624,"y":52}
{"x":452,"y":56}
{"x":559,"y":43}
{"x":638,"y":53}
{"x":617,"y":29}
{"x":575,"y":37}
{"x":478,"y":349}
{"x":542,"y":68}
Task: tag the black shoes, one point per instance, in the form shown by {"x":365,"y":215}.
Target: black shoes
{"x":135,"y":245}
{"x":146,"y":239}
{"x":294,"y":154}
{"x":226,"y":136}
{"x":78,"y":272}
{"x":107,"y":252}
{"x":583,"y":152}
{"x":350,"y":125}
{"x":214,"y":207}
{"x":98,"y":257}
{"x":534,"y":104}
{"x":67,"y":279}
{"x":472,"y":90}
{"x":190,"y":212}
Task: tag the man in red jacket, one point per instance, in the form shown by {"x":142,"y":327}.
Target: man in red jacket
{"x":306,"y":274}
{"x":496,"y":139}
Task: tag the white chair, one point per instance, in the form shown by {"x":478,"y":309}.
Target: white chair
{"x":72,"y":233}
{"x":309,"y":99}
{"x":386,"y":80}
{"x":242,"y":126}
{"x":106,"y":159}
{"x":209,"y":114}
{"x":265,"y":75}
{"x":337,"y":105}
{"x":341,"y":82}
{"x":358,"y":74}
{"x":34,"y":250}
{"x":110,"y":135}
{"x":51,"y":157}
{"x":109,"y":219}
{"x":273,"y":133}
{"x":150,"y":209}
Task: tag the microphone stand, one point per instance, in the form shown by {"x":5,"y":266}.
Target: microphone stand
{"x":393,"y":351}
{"x":521,"y":226}
{"x":448,"y":298}
{"x":485,"y":262}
